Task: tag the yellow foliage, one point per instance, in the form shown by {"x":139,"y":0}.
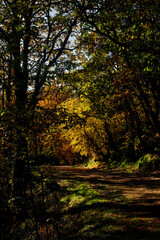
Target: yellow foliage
{"x":76,"y":106}
{"x":88,"y":135}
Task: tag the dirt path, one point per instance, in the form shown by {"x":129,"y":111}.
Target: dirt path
{"x":142,"y":191}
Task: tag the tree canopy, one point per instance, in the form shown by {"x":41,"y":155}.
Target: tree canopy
{"x":79,"y":82}
{"x":79,"y":77}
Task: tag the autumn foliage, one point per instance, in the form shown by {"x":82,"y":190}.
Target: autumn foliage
{"x":79,"y":80}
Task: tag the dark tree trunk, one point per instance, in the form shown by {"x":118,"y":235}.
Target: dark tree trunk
{"x":21,"y":82}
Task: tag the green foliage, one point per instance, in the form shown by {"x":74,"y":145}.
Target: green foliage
{"x":93,"y":163}
{"x":149,"y":162}
{"x":95,"y":211}
{"x":78,"y":79}
{"x":120,"y":79}
{"x":34,"y":36}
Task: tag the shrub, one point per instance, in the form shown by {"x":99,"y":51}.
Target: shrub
{"x":149,"y":162}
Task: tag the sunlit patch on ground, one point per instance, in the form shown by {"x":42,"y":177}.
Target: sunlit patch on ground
{"x":96,"y":212}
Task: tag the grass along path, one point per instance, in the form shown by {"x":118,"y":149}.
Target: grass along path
{"x":99,"y":204}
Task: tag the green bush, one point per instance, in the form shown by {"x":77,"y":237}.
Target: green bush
{"x":149,"y":162}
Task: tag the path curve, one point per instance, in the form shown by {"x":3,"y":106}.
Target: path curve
{"x":142,"y":190}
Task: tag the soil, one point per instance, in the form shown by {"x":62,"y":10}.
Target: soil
{"x":141,"y":189}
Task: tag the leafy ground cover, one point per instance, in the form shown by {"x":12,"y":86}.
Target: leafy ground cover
{"x":113,"y":204}
{"x":96,"y":211}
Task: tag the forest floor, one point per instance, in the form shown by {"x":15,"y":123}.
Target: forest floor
{"x":132,"y":200}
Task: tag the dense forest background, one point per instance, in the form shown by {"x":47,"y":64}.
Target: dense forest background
{"x":79,"y":81}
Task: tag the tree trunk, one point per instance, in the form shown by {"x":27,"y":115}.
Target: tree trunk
{"x":21,"y":82}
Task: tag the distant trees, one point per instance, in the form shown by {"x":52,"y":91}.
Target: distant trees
{"x":121,"y":77}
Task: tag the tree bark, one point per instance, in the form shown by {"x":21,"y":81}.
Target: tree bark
{"x":20,"y":82}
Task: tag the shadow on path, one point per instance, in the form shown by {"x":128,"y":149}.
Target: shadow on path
{"x":141,"y":190}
